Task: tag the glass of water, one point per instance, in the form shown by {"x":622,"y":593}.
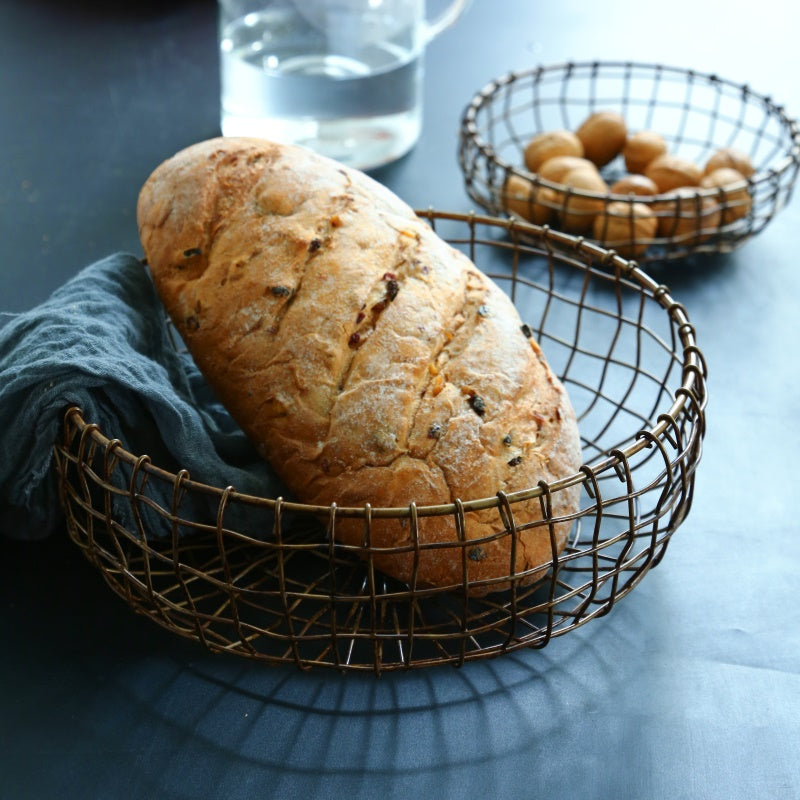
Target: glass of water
{"x":342,"y":77}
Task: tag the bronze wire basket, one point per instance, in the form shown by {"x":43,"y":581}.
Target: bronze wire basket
{"x":696,"y":113}
{"x":266,"y":579}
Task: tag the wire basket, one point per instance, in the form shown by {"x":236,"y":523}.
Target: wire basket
{"x":695,"y":113}
{"x":266,"y":578}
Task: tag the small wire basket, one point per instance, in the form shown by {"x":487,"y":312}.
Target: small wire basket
{"x":695,"y":113}
{"x":266,"y":578}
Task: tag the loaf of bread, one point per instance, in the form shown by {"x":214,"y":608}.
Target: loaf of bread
{"x":367,"y":359}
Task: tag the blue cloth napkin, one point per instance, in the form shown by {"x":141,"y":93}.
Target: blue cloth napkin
{"x":100,"y":342}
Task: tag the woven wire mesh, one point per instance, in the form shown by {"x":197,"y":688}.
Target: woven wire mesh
{"x":267,"y":579}
{"x":695,"y":113}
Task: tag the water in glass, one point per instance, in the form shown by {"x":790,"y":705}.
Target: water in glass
{"x":346,"y":93}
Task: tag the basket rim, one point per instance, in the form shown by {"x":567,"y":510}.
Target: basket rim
{"x":690,"y":392}
{"x":484,"y":95}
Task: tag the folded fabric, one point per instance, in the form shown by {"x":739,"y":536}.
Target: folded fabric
{"x":100,"y":342}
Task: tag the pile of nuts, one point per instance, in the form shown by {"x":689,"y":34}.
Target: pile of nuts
{"x":585,"y":203}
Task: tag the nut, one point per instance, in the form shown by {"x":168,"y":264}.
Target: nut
{"x":527,"y":200}
{"x":635,"y":184}
{"x":668,"y":172}
{"x":733,"y":197}
{"x":555,"y":169}
{"x":627,"y":228}
{"x":603,"y":136}
{"x":729,"y":157}
{"x":641,"y":148}
{"x":687,"y":217}
{"x":577,"y":212}
{"x":549,"y":144}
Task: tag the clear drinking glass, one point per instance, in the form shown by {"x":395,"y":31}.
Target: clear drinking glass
{"x":342,"y":77}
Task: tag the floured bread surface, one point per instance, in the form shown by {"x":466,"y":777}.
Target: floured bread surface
{"x":368,"y":360}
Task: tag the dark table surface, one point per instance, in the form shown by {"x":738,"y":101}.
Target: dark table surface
{"x":690,"y":688}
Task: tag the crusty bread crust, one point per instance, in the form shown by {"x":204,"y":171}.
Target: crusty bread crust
{"x":368,"y":360}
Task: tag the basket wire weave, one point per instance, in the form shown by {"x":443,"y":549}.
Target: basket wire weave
{"x":265,"y":578}
{"x":696,"y":113}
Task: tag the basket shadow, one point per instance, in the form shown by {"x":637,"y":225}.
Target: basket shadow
{"x":281,"y":725}
{"x":119,"y":675}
